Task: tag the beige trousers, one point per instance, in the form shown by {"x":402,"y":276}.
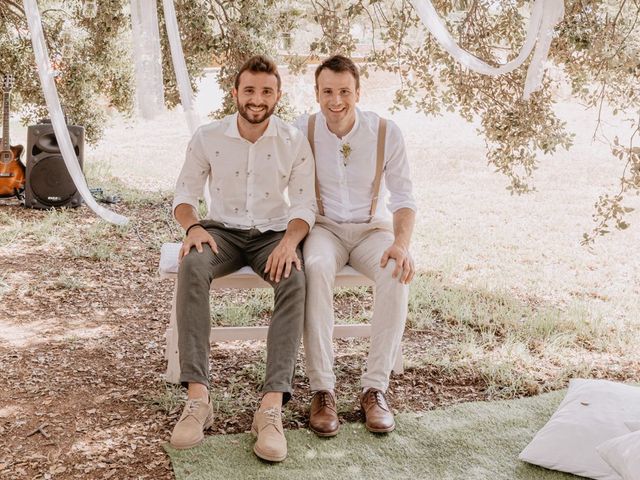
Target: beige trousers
{"x":329,"y":247}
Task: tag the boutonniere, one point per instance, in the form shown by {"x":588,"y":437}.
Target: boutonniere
{"x":345,"y":150}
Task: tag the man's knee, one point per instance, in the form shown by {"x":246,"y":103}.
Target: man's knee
{"x":294,"y":284}
{"x":195,"y":265}
{"x":318,"y":267}
{"x":385,"y":278}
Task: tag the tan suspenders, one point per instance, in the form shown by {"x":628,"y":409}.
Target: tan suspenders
{"x":311,"y":134}
{"x":382,"y":134}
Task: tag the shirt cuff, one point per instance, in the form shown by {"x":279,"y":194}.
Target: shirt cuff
{"x":189,"y":200}
{"x":397,"y":206}
{"x":305,"y":214}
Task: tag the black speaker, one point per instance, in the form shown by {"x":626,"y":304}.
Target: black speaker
{"x":48,"y":183}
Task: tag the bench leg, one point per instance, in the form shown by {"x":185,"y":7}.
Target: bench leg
{"x":171,"y":353}
{"x":398,"y":367}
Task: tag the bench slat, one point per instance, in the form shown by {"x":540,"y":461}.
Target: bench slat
{"x":230,"y":334}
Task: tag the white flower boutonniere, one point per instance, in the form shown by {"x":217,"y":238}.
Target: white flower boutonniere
{"x":345,"y":150}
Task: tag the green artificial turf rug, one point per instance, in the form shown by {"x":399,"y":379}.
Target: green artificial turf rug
{"x":471,"y":441}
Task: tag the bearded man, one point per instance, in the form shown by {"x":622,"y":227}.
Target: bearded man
{"x":261,"y":179}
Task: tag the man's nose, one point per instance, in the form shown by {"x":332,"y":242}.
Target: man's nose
{"x":258,"y":98}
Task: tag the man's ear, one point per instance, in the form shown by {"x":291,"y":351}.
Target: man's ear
{"x":234,"y":93}
{"x":358,"y":94}
{"x":279,"y":96}
{"x":317,"y":94}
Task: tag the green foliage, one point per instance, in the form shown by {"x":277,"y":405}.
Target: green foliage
{"x":91,"y":57}
{"x":596,"y":47}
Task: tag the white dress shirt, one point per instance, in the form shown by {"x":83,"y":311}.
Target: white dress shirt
{"x":261,"y":185}
{"x":346,"y":186}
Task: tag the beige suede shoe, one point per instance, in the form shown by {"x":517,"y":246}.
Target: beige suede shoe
{"x":196,"y":417}
{"x":271,"y":444}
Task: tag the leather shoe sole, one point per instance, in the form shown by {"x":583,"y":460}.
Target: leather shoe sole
{"x":265,"y":456}
{"x":206,"y":426}
{"x":324,"y":434}
{"x":381,"y":430}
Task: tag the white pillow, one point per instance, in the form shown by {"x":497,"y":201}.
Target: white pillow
{"x":592,"y":412}
{"x":623,"y":454}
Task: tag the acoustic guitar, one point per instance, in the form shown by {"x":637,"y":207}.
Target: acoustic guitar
{"x":12,"y":170}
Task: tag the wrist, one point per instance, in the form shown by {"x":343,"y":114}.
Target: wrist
{"x":194,"y":225}
{"x":402,"y":244}
{"x":288,"y":243}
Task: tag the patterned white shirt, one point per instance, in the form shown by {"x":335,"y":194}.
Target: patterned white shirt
{"x":261,"y":185}
{"x":346,"y":185}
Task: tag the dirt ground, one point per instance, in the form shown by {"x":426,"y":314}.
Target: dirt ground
{"x":82,"y":327}
{"x":82,"y":393}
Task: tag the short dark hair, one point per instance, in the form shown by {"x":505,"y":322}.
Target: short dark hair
{"x":258,"y":64}
{"x":338,"y":64}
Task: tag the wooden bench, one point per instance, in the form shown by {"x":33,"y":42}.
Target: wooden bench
{"x":242,"y":279}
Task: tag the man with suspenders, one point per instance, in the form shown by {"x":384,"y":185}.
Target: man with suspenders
{"x":360,"y":158}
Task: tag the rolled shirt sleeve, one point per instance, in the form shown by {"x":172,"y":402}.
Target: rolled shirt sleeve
{"x":397,"y":175}
{"x":193,"y":176}
{"x":301,"y":187}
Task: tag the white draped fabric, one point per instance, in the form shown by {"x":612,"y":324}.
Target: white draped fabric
{"x":147,"y":58}
{"x":182,"y":76}
{"x":180,"y":67}
{"x":45,"y":71}
{"x":545,"y":15}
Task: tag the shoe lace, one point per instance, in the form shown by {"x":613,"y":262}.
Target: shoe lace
{"x":191,"y":407}
{"x":272,"y":415}
{"x":325,"y":399}
{"x":377,"y":397}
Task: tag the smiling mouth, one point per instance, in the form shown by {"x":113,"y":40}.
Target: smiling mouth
{"x":256,"y":109}
{"x":337,"y":110}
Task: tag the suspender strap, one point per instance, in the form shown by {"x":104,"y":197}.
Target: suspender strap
{"x":382,"y":135}
{"x":311,"y":132}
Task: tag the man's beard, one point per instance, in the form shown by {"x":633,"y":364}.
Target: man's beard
{"x":246,"y":114}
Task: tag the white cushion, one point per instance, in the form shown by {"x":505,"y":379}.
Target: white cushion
{"x":592,"y":412}
{"x":169,"y":260}
{"x":623,"y":455}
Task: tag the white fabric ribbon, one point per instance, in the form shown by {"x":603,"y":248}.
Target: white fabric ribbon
{"x":182,"y":77}
{"x":180,"y":67}
{"x":545,"y":15}
{"x":147,"y":58}
{"x":45,"y":71}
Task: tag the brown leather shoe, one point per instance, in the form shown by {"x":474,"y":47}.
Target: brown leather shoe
{"x":323,"y":418}
{"x":378,"y":416}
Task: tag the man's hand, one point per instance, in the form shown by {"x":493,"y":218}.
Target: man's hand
{"x":405,"y":269}
{"x":280,"y":261}
{"x":197,"y":237}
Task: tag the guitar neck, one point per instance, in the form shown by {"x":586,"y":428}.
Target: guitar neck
{"x":5,"y":121}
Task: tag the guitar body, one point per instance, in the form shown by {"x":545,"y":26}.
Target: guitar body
{"x":12,"y":172}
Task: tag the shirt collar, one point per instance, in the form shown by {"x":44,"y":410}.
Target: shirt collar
{"x":351,"y":133}
{"x":233,"y":132}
